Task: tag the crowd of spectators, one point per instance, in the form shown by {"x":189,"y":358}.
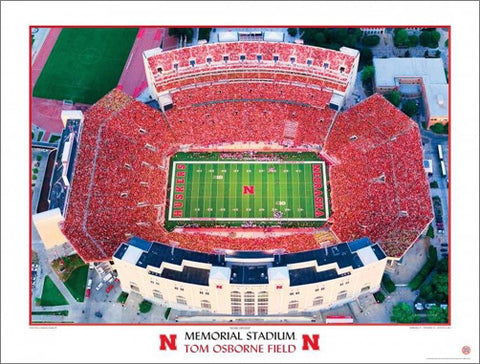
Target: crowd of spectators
{"x":315,"y":59}
{"x":378,"y":185}
{"x":262,"y":61}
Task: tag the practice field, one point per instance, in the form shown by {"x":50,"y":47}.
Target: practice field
{"x":248,"y":191}
{"x":85,"y":64}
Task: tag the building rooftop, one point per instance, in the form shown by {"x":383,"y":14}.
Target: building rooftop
{"x":59,"y":189}
{"x":388,"y":69}
{"x":437,"y":98}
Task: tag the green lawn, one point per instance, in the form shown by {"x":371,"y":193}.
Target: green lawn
{"x":51,"y":296}
{"x":54,"y":138}
{"x":54,"y":313}
{"x":122,"y":298}
{"x":225,"y":190}
{"x":145,"y":306}
{"x":85,"y":64}
{"x":77,"y":282}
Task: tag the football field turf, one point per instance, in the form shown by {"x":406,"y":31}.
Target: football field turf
{"x":248,"y":191}
{"x":85,"y":64}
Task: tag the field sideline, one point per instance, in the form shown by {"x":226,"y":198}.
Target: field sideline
{"x":248,"y":191}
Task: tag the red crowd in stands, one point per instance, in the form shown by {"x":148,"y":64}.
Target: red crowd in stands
{"x":378,"y":186}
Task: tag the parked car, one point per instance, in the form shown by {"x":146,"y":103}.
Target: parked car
{"x":429,"y":306}
{"x":87,"y":293}
{"x":445,"y":255}
{"x":108,"y":277}
{"x":98,"y":314}
{"x":100,"y":285}
{"x":117,"y":280}
{"x":444,"y":244}
{"x":91,"y":266}
{"x":444,"y":250}
{"x":419,"y":306}
{"x":89,"y":283}
{"x":109,"y":288}
{"x":444,"y":306}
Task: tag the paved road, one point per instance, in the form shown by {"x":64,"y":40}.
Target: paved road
{"x":133,"y":79}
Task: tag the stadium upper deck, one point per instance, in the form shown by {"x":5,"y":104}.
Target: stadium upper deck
{"x":251,"y":60}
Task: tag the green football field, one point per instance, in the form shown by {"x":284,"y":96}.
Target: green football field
{"x":85,"y":64}
{"x":248,"y":191}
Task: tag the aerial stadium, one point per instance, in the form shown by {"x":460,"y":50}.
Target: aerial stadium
{"x":246,"y":182}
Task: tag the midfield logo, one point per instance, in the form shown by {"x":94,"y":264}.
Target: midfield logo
{"x":248,"y":190}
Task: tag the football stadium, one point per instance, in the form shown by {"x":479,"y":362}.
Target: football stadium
{"x":247,"y":181}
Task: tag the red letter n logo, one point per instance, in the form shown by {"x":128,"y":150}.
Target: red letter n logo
{"x":248,"y":190}
{"x":165,"y":341}
{"x":310,"y":341}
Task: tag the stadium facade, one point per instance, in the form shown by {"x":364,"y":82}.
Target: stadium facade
{"x":250,"y":283}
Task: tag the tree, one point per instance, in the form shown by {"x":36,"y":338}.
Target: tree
{"x":437,"y":128}
{"x":442,"y":266}
{"x":437,"y":315}
{"x":292,"y":32}
{"x":320,"y":39}
{"x":403,"y":313}
{"x":366,"y":56}
{"x":332,"y":38}
{"x":437,"y":289}
{"x":440,"y":287}
{"x":407,"y":54}
{"x":367,"y":73}
{"x":446,"y":43}
{"x":412,"y":40}
{"x":437,"y":53}
{"x":204,"y":33}
{"x":429,"y":38}
{"x":400,"y":38}
{"x":426,"y":55}
{"x":181,"y":32}
{"x":410,"y":108}
{"x":394,"y":97}
{"x":371,"y":40}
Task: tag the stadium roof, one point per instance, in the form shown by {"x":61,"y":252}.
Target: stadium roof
{"x":323,"y":263}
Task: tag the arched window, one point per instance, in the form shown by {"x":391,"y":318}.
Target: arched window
{"x":317,"y":301}
{"x":205,"y":304}
{"x":365,"y":288}
{"x":341,"y":295}
{"x":236,"y":302}
{"x":134,"y":287}
{"x":262,"y":303}
{"x":157,"y":294}
{"x":292,"y":305}
{"x":181,"y":300}
{"x":249,"y":301}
